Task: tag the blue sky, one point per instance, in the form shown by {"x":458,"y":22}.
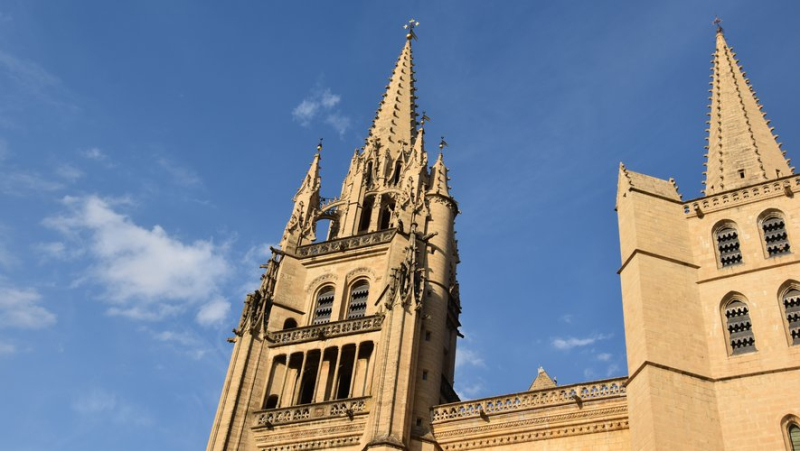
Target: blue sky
{"x":149,"y":151}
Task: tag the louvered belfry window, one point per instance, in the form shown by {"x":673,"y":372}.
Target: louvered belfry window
{"x":728,"y":246}
{"x":794,"y":436}
{"x":324,"y":307}
{"x":775,"y":237}
{"x":740,"y":329}
{"x":358,"y":300}
{"x":791,"y":308}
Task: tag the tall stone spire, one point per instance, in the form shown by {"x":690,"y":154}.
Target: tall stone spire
{"x":395,"y":122}
{"x":742,"y":150}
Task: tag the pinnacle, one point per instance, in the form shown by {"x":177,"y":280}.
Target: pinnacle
{"x":742,"y":149}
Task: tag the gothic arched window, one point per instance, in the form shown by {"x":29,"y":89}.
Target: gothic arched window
{"x":791,"y":311}
{"x":323,"y":306}
{"x":776,"y":240}
{"x":727,"y":239}
{"x":739,"y":328}
{"x":358,"y":300}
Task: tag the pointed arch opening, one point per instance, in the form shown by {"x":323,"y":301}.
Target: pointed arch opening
{"x":789,"y":297}
{"x":358,"y":300}
{"x":790,"y":425}
{"x":368,"y":174}
{"x":366,"y":214}
{"x":728,"y":248}
{"x":738,"y":325}
{"x":323,"y":305}
{"x":775,"y":239}
{"x":398,"y":170}
{"x":387,"y":212}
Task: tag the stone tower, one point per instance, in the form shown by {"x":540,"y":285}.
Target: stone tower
{"x":350,"y":338}
{"x":711,"y":286}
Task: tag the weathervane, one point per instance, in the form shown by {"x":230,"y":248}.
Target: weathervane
{"x":410,"y":27}
{"x":717,"y":22}
{"x":442,"y":144}
{"x":319,"y":146}
{"x":425,"y":118}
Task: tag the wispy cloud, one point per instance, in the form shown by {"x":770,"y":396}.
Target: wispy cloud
{"x":566,"y":318}
{"x":103,"y":404}
{"x":469,"y":390}
{"x":94,"y":153}
{"x":604,"y":357}
{"x":185,"y":341}
{"x":612,"y":370}
{"x":20,"y":309}
{"x":468,"y":357}
{"x":69,"y":172}
{"x":321,"y":102}
{"x":7,"y":348}
{"x":568,"y":343}
{"x":28,"y":75}
{"x":21,"y":182}
{"x":214,"y":312}
{"x":180,"y":175}
{"x":145,"y":273}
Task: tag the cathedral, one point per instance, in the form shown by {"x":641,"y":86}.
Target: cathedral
{"x":350,"y":340}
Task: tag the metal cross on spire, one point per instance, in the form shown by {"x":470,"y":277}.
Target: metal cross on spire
{"x":410,"y":27}
{"x":717,"y":21}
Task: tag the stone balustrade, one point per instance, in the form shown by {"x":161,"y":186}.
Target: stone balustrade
{"x":786,"y":185}
{"x":343,"y":244}
{"x":568,"y":394}
{"x":330,"y":409}
{"x":327,"y":330}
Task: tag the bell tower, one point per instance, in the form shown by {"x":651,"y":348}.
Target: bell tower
{"x":350,"y":338}
{"x":711,"y":286}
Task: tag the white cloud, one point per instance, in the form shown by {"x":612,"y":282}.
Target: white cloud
{"x":566,"y":318}
{"x":28,"y":75}
{"x":572,"y":342}
{"x":604,"y":357}
{"x":186,"y":342}
{"x":20,"y":309}
{"x":56,"y":250}
{"x":612,"y":370}
{"x":107,"y":405}
{"x":338,"y":122}
{"x":468,"y":390}
{"x":94,"y":154}
{"x":468,"y":357}
{"x":144,"y":273}
{"x":213,"y":312}
{"x":321,"y":100}
{"x":180,"y":175}
{"x":7,"y":348}
{"x":19,"y":182}
{"x":68,"y":172}
{"x":4,"y":152}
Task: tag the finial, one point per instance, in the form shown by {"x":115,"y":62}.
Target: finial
{"x":410,"y":27}
{"x":442,"y":144}
{"x":425,"y":118}
{"x":717,"y":21}
{"x":319,"y":146}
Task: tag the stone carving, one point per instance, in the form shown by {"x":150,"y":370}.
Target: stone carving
{"x":323,"y":331}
